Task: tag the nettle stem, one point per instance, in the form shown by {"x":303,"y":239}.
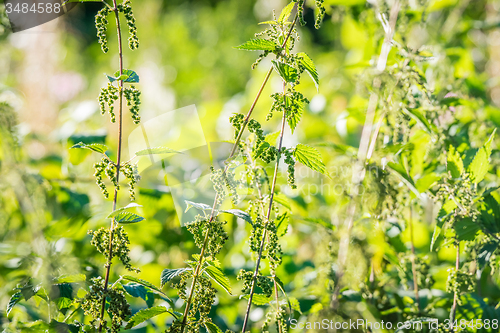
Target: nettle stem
{"x":453,"y":312}
{"x":413,"y":267}
{"x":118,"y":162}
{"x":268,"y":217}
{"x":359,"y":168}
{"x":233,"y":151}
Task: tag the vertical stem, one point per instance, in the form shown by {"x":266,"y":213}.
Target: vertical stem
{"x":119,"y":154}
{"x":268,"y":216}
{"x":413,"y":268}
{"x":233,"y":151}
{"x":359,"y":168}
{"x":453,"y":311}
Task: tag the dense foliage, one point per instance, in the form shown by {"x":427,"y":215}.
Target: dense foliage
{"x":360,"y":183}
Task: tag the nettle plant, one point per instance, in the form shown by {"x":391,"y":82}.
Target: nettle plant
{"x":104,"y":302}
{"x":259,"y":151}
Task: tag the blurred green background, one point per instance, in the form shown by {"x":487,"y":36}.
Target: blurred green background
{"x":51,"y":76}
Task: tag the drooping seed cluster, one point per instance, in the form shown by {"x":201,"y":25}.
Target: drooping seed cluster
{"x":290,"y":162}
{"x":108,"y":97}
{"x":130,"y":172}
{"x":273,"y":248}
{"x":460,"y":282}
{"x":120,"y":248}
{"x":126,"y":9}
{"x":104,"y":167}
{"x":132,"y":95}
{"x":321,"y":12}
{"x":101,"y":21}
{"x":263,"y":282}
{"x":256,"y":234}
{"x":117,"y":306}
{"x":424,"y":278}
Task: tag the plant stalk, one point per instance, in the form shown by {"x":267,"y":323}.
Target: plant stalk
{"x":413,"y":267}
{"x":233,"y":151}
{"x":359,"y":169}
{"x":268,"y":216}
{"x":453,"y":311}
{"x":119,"y":154}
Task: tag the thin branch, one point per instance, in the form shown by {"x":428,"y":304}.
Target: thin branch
{"x":268,"y":216}
{"x":453,"y":311}
{"x":119,"y":154}
{"x":413,"y":267}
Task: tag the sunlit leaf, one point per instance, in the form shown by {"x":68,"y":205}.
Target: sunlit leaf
{"x":310,"y":157}
{"x":146,"y":314}
{"x":197,"y":205}
{"x":168,"y":274}
{"x":239,"y":213}
{"x":310,"y":68}
{"x":128,"y":218}
{"x":258,"y":44}
{"x":212,"y":328}
{"x":97,"y":147}
{"x":285,"y":13}
{"x":122,"y":209}
{"x":480,"y":164}
{"x":218,"y":276}
{"x":287,"y":72}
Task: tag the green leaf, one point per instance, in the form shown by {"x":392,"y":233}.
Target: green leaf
{"x":146,"y":284}
{"x":282,"y":200}
{"x":128,"y":218}
{"x":287,"y":72}
{"x":120,"y":210}
{"x":156,"y":151}
{"x":168,"y":274}
{"x":138,"y":290}
{"x":454,"y":164}
{"x":214,"y":262}
{"x":420,"y":118}
{"x":485,"y":253}
{"x":445,"y":211}
{"x":258,"y":44}
{"x":321,"y":222}
{"x":310,"y":68}
{"x":310,"y":157}
{"x":58,"y":327}
{"x":259,"y":299}
{"x":269,"y":22}
{"x":218,"y":276}
{"x":295,"y":304}
{"x":145,"y":314}
{"x":401,"y":171}
{"x":127,"y":76}
{"x":197,"y":205}
{"x":14,"y":299}
{"x":272,"y":137}
{"x":70,"y":278}
{"x":241,"y":214}
{"x":282,"y":224}
{"x":294,"y":117}
{"x":212,"y":328}
{"x":285,"y":13}
{"x":466,"y":229}
{"x":97,"y":147}
{"x":480,"y":164}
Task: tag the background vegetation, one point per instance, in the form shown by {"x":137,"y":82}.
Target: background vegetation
{"x":440,"y":90}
